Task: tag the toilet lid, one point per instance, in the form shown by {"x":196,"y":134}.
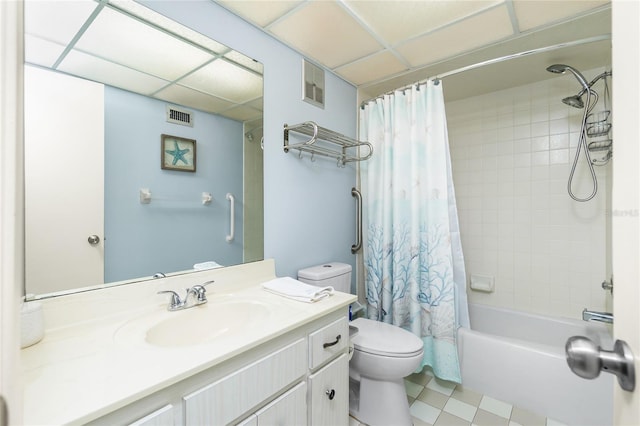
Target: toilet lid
{"x":379,"y":338}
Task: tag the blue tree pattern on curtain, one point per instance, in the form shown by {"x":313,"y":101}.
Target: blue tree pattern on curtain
{"x":412,"y":252}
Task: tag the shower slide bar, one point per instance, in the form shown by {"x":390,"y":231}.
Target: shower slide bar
{"x":336,"y":145}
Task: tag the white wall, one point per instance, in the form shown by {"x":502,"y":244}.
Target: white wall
{"x":511,"y":156}
{"x":309,"y":213}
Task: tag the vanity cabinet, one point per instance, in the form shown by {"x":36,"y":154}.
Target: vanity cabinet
{"x":299,"y":378}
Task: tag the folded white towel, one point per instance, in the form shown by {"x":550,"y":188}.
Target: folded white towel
{"x":297,"y":290}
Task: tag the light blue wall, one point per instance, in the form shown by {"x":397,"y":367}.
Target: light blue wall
{"x":175,"y":230}
{"x":309,"y":212}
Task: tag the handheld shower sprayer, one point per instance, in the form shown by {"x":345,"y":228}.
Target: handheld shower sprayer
{"x":576,"y":102}
{"x":561,"y":69}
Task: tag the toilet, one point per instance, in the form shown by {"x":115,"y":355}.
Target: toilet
{"x":383,"y":355}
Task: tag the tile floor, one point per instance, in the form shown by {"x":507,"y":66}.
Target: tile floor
{"x":439,"y":403}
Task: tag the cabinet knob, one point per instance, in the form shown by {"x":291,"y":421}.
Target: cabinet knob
{"x":331,"y":394}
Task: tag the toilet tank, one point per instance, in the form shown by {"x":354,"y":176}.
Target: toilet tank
{"x":334,"y":274}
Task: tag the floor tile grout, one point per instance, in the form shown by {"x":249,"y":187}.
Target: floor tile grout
{"x":434,"y":402}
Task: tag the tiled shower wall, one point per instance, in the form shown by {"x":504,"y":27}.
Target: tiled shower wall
{"x":512,"y":153}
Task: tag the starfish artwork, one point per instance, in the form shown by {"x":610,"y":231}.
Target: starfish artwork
{"x":178,"y":154}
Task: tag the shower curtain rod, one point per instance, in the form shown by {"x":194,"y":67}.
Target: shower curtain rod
{"x":501,"y":59}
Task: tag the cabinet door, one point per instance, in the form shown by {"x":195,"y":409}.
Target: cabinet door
{"x":232,"y":396}
{"x":289,"y":409}
{"x":161,"y":417}
{"x":330,"y":394}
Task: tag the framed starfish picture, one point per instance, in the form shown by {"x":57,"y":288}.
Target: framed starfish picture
{"x":177,"y":153}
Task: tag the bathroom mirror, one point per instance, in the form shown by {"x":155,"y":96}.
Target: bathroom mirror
{"x":104,"y":81}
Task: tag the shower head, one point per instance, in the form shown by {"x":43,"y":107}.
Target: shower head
{"x":561,"y":69}
{"x":574,"y":101}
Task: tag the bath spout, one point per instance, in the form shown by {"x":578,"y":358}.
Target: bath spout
{"x":597,"y":316}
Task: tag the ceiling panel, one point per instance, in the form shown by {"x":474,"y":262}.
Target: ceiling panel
{"x":57,"y":21}
{"x":531,"y":14}
{"x":261,"y":13}
{"x":326,"y":32}
{"x":482,"y":29}
{"x":185,"y":96}
{"x":226,"y":81}
{"x":396,"y":21}
{"x":372,"y":68}
{"x":40,"y":51}
{"x":140,"y":46}
{"x":100,"y":70}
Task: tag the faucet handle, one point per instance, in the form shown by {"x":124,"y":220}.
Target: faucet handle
{"x":175,"y":299}
{"x":201,"y":291}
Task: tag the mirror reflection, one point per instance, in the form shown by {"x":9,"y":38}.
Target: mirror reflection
{"x":104,"y":81}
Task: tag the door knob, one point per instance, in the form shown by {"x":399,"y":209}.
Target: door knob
{"x":587,"y":359}
{"x":93,"y":239}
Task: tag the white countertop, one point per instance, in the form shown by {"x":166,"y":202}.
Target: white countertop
{"x":88,"y":366}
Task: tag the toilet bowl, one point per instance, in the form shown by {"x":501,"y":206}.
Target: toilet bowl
{"x":383,"y":355}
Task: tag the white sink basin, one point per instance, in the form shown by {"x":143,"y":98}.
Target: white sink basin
{"x":198,"y":325}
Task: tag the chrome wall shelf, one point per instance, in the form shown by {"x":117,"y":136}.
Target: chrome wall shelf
{"x":326,"y":143}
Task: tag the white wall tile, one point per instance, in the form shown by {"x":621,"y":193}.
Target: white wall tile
{"x":511,"y":157}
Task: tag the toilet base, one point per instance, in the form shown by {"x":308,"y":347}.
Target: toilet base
{"x":377,"y":402}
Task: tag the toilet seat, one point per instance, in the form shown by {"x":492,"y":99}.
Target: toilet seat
{"x":382,"y":339}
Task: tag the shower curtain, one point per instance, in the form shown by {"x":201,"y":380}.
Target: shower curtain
{"x":414,"y":267}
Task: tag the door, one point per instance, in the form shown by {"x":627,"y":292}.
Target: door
{"x":60,"y":223}
{"x":625,"y":216}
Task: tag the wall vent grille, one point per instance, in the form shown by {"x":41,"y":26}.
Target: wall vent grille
{"x":179,"y":116}
{"x":312,"y":84}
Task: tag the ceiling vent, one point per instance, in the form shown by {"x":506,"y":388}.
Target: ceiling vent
{"x":312,"y":84}
{"x":179,"y":116}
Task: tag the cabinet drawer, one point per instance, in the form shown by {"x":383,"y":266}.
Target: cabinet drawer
{"x":329,"y":401}
{"x":232,"y":396}
{"x":327,"y":342}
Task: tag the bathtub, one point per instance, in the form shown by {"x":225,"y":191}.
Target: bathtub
{"x":519,"y":358}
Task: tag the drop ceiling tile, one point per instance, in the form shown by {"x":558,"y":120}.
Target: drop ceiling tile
{"x":57,"y":21}
{"x":531,"y":14}
{"x":242,"y":113}
{"x":372,"y":68}
{"x":140,"y":46}
{"x":257,"y":104}
{"x":162,"y":21}
{"x":181,"y":95}
{"x":261,"y":13}
{"x":480,"y":30}
{"x":226,"y":81}
{"x":395,"y":21}
{"x":41,"y":52}
{"x":97,"y":69}
{"x":325,"y":32}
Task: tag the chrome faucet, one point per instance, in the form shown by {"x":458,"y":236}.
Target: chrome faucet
{"x":198,"y":292}
{"x":597,"y":316}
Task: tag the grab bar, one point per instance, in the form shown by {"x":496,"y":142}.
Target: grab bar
{"x":358,"y":196}
{"x":232,"y":219}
